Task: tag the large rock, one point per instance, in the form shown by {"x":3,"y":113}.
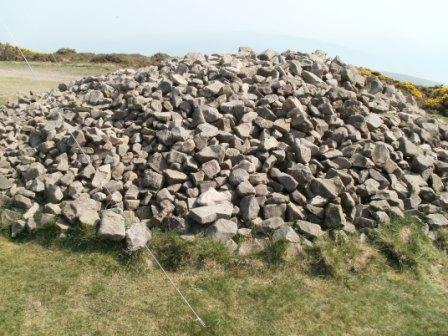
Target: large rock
{"x":111,"y":226}
{"x":83,"y":209}
{"x":4,"y":183}
{"x":327,"y":188}
{"x":249,"y":208}
{"x":308,"y":229}
{"x":222,"y":230}
{"x":210,"y":213}
{"x":137,"y":236}
{"x":102,"y":176}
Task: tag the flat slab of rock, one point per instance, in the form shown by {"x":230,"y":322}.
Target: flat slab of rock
{"x":437,"y":220}
{"x":210,"y":213}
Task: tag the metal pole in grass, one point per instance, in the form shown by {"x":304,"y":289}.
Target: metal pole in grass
{"x":198,"y":319}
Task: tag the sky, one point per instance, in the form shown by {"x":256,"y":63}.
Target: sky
{"x":402,"y":36}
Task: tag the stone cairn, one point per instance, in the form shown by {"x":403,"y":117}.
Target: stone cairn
{"x":264,"y":147}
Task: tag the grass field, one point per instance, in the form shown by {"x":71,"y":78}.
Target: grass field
{"x":17,"y":79}
{"x":394,"y":284}
{"x":74,"y":286}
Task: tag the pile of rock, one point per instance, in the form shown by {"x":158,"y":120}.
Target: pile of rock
{"x":269,"y":146}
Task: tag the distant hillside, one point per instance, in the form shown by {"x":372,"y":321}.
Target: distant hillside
{"x":412,"y":79}
{"x":9,"y":52}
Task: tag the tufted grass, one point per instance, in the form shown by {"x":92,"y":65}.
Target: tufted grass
{"x":76,"y":285}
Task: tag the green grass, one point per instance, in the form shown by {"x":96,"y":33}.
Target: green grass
{"x":77,"y":285}
{"x":65,"y":68}
{"x":16,"y":79}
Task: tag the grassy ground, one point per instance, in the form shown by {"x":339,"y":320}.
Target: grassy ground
{"x":17,"y":79}
{"x":396,"y":284}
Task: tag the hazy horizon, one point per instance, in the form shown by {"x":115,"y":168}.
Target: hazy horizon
{"x":400,"y":36}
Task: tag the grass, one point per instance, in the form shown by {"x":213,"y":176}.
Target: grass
{"x":64,"y":68}
{"x":16,"y":79}
{"x":77,"y":285}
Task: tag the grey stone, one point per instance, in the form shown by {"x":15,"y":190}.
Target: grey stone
{"x":137,"y":236}
{"x":437,"y":220}
{"x":111,"y":226}
{"x":210,"y":213}
{"x":222,"y":230}
{"x":4,"y":183}
{"x":310,"y":230}
{"x":270,"y":224}
{"x":249,"y":208}
{"x":286,"y":233}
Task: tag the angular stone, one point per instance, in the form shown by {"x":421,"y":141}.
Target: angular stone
{"x":211,"y":168}
{"x":111,"y":226}
{"x":137,"y":236}
{"x":327,"y":188}
{"x":288,"y":182}
{"x":308,"y":229}
{"x":222,"y":230}
{"x":249,"y":208}
{"x":216,"y":152}
{"x":245,"y":188}
{"x":82,"y":209}
{"x":174,"y":176}
{"x":334,"y":217}
{"x":210,"y":213}
{"x":286,"y":233}
{"x":437,"y":220}
{"x":102,"y":176}
{"x":269,"y":225}
{"x":238,"y":176}
{"x":211,"y":196}
{"x":4,"y":183}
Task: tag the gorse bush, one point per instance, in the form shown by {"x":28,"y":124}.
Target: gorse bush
{"x":9,"y":52}
{"x":431,"y":98}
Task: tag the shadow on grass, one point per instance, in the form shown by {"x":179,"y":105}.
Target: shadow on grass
{"x":79,"y":239}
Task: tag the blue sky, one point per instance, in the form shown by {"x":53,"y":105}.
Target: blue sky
{"x":409,"y":37}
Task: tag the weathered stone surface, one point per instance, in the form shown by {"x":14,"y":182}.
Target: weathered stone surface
{"x":326,"y":188}
{"x":83,"y":209}
{"x":437,"y":220}
{"x":249,"y":208}
{"x":4,"y":183}
{"x":137,"y":236}
{"x":308,"y":229}
{"x":270,"y":224}
{"x":222,"y":230}
{"x":102,"y":176}
{"x":210,"y":213}
{"x":211,"y":196}
{"x":334,"y":217}
{"x":286,"y":233}
{"x":111,"y":226}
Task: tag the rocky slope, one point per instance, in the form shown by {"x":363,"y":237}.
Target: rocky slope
{"x":269,"y":146}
